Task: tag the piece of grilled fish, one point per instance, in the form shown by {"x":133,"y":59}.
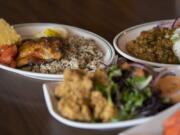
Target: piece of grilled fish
{"x":37,"y":51}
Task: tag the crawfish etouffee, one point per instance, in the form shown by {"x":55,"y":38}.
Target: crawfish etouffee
{"x":120,"y":92}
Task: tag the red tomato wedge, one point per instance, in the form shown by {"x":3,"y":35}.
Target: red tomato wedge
{"x":7,"y":55}
{"x":172,"y":124}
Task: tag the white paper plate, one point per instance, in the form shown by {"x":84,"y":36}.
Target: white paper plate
{"x":155,"y":126}
{"x":51,"y":102}
{"x":132,"y":33}
{"x":30,"y":29}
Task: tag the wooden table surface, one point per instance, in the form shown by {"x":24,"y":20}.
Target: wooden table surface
{"x":22,"y":106}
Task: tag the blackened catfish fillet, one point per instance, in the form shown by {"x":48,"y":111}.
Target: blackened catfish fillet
{"x":36,"y":51}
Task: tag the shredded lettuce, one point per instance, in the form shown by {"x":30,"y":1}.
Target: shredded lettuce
{"x":114,"y":71}
{"x":140,"y":82}
{"x":131,"y":100}
{"x":134,"y":93}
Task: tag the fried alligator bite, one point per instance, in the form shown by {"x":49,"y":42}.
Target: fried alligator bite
{"x":79,"y":98}
{"x":37,"y":51}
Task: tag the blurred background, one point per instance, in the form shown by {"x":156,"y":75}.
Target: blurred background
{"x":103,"y":17}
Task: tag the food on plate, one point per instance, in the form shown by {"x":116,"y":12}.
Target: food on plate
{"x":160,"y":44}
{"x":50,"y":51}
{"x":53,"y":32}
{"x":8,"y":36}
{"x":120,"y":92}
{"x":77,"y":51}
{"x":7,"y":55}
{"x":37,"y":51}
{"x":172,"y":124}
{"x":8,"y":40}
{"x":169,"y":86}
{"x":79,"y":96}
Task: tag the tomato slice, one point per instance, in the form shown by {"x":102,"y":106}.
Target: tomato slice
{"x":7,"y":55}
{"x":172,"y":124}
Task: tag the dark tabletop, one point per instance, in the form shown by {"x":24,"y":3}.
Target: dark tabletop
{"x":22,"y":106}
